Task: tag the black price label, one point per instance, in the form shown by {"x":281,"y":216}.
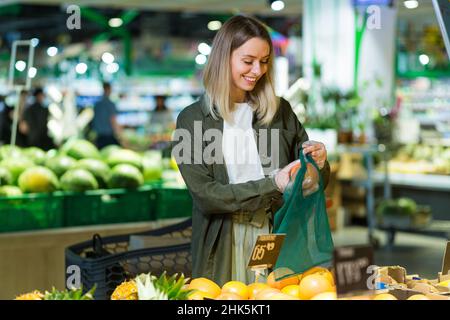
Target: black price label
{"x":353,"y":271}
{"x":266,"y":250}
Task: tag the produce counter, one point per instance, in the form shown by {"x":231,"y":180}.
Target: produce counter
{"x":426,"y":189}
{"x":97,"y":207}
{"x":35,"y":259}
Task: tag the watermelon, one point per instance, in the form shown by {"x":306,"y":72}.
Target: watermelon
{"x":38,"y":179}
{"x":108,"y":150}
{"x":60,"y":164}
{"x":80,"y":149}
{"x":38,"y":156}
{"x":98,"y":168}
{"x":10,"y":191}
{"x":124,"y":156}
{"x":153,"y":166}
{"x":6,"y":177}
{"x":78,"y":180}
{"x":125,"y":176}
{"x":8,"y":151}
{"x":16,"y":166}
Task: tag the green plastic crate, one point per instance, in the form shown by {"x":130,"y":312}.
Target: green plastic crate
{"x":172,"y":203}
{"x":109,"y":206}
{"x":31,"y":212}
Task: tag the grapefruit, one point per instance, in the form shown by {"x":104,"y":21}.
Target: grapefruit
{"x":266,"y":294}
{"x":256,"y":287}
{"x":418,"y":297}
{"x":323,"y":271}
{"x":292,"y":290}
{"x":236,"y":287}
{"x":314,"y":284}
{"x":330,"y":295}
{"x":280,"y":284}
{"x":208,"y":288}
{"x":228,"y":296}
{"x":384,"y":296}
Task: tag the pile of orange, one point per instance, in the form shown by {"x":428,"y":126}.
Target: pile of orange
{"x":314,"y":284}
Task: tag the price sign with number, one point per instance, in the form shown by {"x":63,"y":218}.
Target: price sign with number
{"x":353,"y":270}
{"x":266,"y":251}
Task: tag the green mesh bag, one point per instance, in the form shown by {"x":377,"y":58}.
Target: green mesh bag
{"x":304,"y":220}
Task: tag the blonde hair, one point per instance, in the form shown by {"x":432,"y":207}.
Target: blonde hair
{"x":217,"y":78}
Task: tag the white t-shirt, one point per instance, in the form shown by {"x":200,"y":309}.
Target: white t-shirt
{"x":239,"y":147}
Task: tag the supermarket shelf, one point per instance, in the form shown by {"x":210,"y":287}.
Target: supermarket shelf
{"x":428,"y":181}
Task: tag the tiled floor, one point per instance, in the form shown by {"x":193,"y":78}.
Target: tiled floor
{"x":417,"y":253}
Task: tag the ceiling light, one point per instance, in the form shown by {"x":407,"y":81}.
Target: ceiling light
{"x":35,"y":42}
{"x":112,"y":67}
{"x":32,"y":72}
{"x":277,"y":5}
{"x":81,"y":68}
{"x":52,"y":51}
{"x":204,"y":49}
{"x":107,"y":58}
{"x":214,"y":25}
{"x":200,"y":59}
{"x":115,"y":22}
{"x":411,"y":4}
{"x":21,"y":65}
{"x":424,"y":59}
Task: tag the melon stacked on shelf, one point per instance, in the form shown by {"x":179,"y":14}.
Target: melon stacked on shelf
{"x":77,"y":166}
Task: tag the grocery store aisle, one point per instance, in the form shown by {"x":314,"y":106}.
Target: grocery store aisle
{"x":417,"y":253}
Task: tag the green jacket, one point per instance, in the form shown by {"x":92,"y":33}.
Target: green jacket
{"x":214,"y":199}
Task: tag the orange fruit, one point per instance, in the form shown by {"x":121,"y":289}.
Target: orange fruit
{"x":418,"y":297}
{"x":228,"y":296}
{"x":280,"y":284}
{"x":282,"y":296}
{"x":266,"y":294}
{"x":324,"y":271}
{"x":330,"y":295}
{"x":256,"y":287}
{"x":314,"y":284}
{"x":196,"y":295}
{"x":384,"y":296}
{"x":209,"y":288}
{"x":293,"y":171}
{"x":292,"y":290}
{"x":236,"y":287}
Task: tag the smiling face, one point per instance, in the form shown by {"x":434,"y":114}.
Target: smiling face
{"x":249,"y":63}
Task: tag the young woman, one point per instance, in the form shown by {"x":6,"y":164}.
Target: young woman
{"x":236,"y":195}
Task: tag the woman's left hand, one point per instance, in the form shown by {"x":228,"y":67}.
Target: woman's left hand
{"x":317,"y":150}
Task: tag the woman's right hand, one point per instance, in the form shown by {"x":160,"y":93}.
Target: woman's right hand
{"x":287,"y":175}
{"x":283,"y":177}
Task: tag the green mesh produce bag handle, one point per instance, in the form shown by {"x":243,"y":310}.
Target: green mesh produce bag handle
{"x":304,"y":220}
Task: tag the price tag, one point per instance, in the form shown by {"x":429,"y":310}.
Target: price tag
{"x":446,"y":261}
{"x":266,"y":251}
{"x":351,"y":267}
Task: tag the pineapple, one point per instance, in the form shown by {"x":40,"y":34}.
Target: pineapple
{"x":150,"y":287}
{"x":71,"y":294}
{"x":147,"y":289}
{"x":126,"y":291}
{"x":35,"y":295}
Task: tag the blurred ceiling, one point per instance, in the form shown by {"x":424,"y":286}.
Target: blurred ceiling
{"x":261,"y":7}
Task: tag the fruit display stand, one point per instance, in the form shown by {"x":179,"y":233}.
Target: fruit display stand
{"x":32,"y":260}
{"x":32,"y":212}
{"x":171,"y":201}
{"x":109,"y":206}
